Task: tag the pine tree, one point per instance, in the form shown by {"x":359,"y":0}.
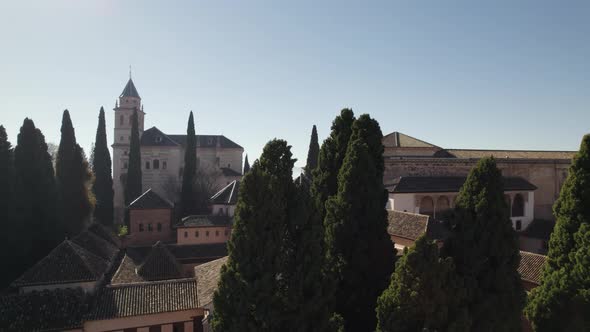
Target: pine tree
{"x":250,"y":295}
{"x":102,"y":169}
{"x":187,"y":196}
{"x":37,"y":194}
{"x":73,"y":180}
{"x":565,"y":287}
{"x":312,"y":153}
{"x":424,"y":293}
{"x":133,"y":186}
{"x":246,"y":165}
{"x":359,"y":251}
{"x":484,"y":247}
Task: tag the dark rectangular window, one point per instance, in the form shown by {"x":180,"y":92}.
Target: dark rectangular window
{"x":207,"y":233}
{"x":156,"y":164}
{"x":185,"y":234}
{"x":196,"y":233}
{"x":141,"y":227}
{"x":159,"y":227}
{"x":164,"y":165}
{"x":150,"y":227}
{"x":147,"y":165}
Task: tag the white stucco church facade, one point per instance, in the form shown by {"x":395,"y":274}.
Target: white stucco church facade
{"x":162,"y":155}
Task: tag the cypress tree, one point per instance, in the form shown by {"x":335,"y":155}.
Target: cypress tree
{"x":250,"y":294}
{"x":359,"y":251}
{"x":8,"y":221}
{"x":424,"y":293}
{"x":246,"y":165}
{"x":564,"y":291}
{"x":37,"y":194}
{"x":73,"y":180}
{"x":187,"y":196}
{"x":312,"y":153}
{"x":133,"y":186}
{"x":484,"y":247}
{"x":102,"y":169}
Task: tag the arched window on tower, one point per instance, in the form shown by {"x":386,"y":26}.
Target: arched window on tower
{"x":156,"y":164}
{"x":518,"y":206}
{"x":121,"y":119}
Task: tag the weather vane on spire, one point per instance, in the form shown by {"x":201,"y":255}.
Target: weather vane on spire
{"x":129,"y":71}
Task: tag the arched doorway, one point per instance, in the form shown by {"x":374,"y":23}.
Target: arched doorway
{"x":427,"y":206}
{"x":518,"y":206}
{"x":442,"y":206}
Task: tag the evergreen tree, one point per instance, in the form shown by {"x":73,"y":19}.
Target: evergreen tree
{"x":133,"y":186}
{"x":424,"y":293}
{"x":37,"y":194}
{"x":246,"y":165}
{"x":187,"y":196}
{"x":484,"y":247}
{"x":102,"y":169}
{"x":562,"y":300}
{"x":73,"y":180}
{"x":312,"y":153}
{"x":250,"y":294}
{"x":359,"y":251}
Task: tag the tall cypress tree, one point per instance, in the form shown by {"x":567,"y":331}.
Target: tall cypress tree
{"x":102,"y":168}
{"x":187,"y":196}
{"x":250,"y":296}
{"x":246,"y":165}
{"x":484,"y":247}
{"x":133,"y":186}
{"x":359,"y":251}
{"x":73,"y":180}
{"x":424,"y":293}
{"x":37,"y":193}
{"x":558,"y":302}
{"x":312,"y":153}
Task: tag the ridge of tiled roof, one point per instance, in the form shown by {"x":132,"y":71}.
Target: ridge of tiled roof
{"x":510,"y":154}
{"x":201,"y":252}
{"x":207,"y":275}
{"x":160,"y":264}
{"x":150,"y":200}
{"x":145,"y":298}
{"x":66,"y":263}
{"x":130,"y":90}
{"x":96,"y":245}
{"x":531,"y":266}
{"x":407,"y":225}
{"x":227,"y":195}
{"x":427,"y":184}
{"x":208,"y":141}
{"x":105,"y":234}
{"x":206,"y":221}
{"x":155,"y":137}
{"x":55,"y":310}
{"x":400,"y":140}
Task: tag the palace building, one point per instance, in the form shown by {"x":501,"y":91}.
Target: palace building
{"x":162,"y":155}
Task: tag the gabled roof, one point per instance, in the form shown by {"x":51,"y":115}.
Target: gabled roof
{"x":67,"y":263}
{"x":206,"y":221}
{"x":55,"y":310}
{"x":431,"y":184}
{"x":105,"y":233}
{"x":155,"y":137}
{"x":531,"y":266}
{"x":160,"y":264}
{"x":96,"y":245}
{"x":150,"y":200}
{"x":130,"y":90}
{"x":207,"y":276}
{"x":145,"y":298}
{"x":227,"y":195}
{"x":407,"y":225}
{"x":399,"y":140}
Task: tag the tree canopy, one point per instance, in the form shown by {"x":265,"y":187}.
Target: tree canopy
{"x":312,"y":153}
{"x":102,"y":169}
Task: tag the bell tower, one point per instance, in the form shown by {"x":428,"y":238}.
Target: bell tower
{"x":127,"y":103}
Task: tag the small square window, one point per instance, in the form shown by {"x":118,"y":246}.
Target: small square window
{"x":185,"y":234}
{"x":207,"y":233}
{"x":159,"y":227}
{"x":196,"y":233}
{"x":150,"y":228}
{"x":147,"y":165}
{"x":141,"y":227}
{"x":216,"y":233}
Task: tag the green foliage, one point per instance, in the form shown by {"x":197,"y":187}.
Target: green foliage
{"x":424,"y":294}
{"x":122,"y":230}
{"x":484,"y":248}
{"x":246,"y":166}
{"x":37,"y":194}
{"x":312,"y":153}
{"x":102,"y":169}
{"x":187,"y":196}
{"x":250,"y":294}
{"x":73,"y":180}
{"x":562,"y":301}
{"x":133,"y":186}
{"x":359,"y":251}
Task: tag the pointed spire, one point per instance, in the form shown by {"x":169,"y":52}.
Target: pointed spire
{"x":130,"y":90}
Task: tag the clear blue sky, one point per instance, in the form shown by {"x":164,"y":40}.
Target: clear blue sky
{"x":460,"y":74}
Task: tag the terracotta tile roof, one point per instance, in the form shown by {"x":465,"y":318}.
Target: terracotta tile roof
{"x":399,"y":140}
{"x":145,"y":298}
{"x":531,"y":266}
{"x":67,"y":263}
{"x":206,"y":221}
{"x":160,"y":264}
{"x":227,"y":195}
{"x":407,"y":225}
{"x":207,"y":276}
{"x":155,"y":137}
{"x":96,"y":245}
{"x":431,"y":184}
{"x":150,"y":200}
{"x":512,"y":154}
{"x":105,"y":233}
{"x":203,"y":252}
{"x":55,"y":310}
